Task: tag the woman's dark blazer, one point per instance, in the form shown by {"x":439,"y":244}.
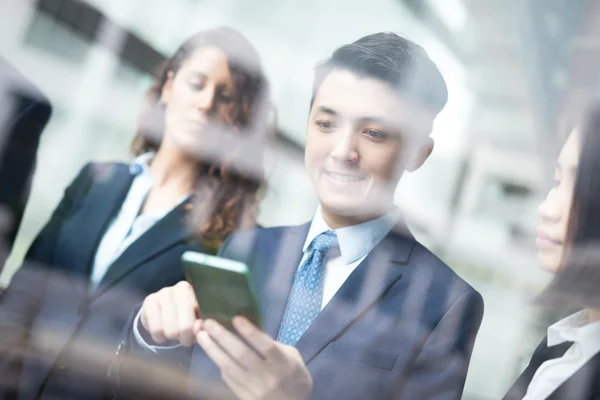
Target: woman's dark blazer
{"x":58,"y":334}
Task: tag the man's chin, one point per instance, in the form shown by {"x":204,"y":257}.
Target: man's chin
{"x":343,"y":209}
{"x":351,"y":212}
{"x":355,"y":206}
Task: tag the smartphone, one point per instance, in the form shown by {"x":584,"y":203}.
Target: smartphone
{"x":223,"y":288}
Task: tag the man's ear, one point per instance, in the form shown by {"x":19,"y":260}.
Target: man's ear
{"x":421,"y":155}
{"x":165,"y":93}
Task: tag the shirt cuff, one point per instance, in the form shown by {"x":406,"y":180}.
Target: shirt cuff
{"x":139,"y":338}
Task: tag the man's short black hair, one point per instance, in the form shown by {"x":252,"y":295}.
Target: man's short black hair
{"x":400,"y":62}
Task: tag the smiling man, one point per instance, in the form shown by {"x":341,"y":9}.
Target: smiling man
{"x":353,"y":306}
{"x":359,"y":142}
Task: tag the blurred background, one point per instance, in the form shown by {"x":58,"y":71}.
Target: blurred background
{"x":514,"y":69}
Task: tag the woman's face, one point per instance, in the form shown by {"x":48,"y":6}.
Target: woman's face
{"x":198,"y":99}
{"x":555,"y":209}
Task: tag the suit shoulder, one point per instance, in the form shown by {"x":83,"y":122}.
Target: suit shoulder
{"x":16,"y":82}
{"x":242,"y":242}
{"x":443,"y":275}
{"x":260,"y":232}
{"x":105,"y":167}
{"x":94,"y":172}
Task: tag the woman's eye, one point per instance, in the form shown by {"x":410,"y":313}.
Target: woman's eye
{"x":196,"y":85}
{"x":325,"y":125}
{"x":375,"y":134}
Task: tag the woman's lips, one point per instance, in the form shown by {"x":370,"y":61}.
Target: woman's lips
{"x":544,"y":240}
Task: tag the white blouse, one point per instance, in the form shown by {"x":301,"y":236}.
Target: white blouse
{"x":553,"y":373}
{"x":128,"y":225}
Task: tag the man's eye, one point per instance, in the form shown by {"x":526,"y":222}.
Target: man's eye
{"x":325,"y":125}
{"x":375,"y":134}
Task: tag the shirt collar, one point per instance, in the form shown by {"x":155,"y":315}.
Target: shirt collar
{"x":355,"y":241}
{"x":141,"y":164}
{"x":575,"y":328}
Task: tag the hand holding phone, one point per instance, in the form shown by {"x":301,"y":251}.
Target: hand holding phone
{"x":172,"y":313}
{"x":217,"y":288}
{"x":223,"y":288}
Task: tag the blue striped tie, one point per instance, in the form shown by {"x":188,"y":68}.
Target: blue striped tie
{"x":306,"y":296}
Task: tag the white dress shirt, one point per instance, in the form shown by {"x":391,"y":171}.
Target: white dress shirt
{"x":355,"y":244}
{"x":128,"y":225}
{"x":553,"y":373}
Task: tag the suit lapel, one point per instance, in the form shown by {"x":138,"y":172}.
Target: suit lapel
{"x":519,"y":388}
{"x":582,"y":385}
{"x":168,"y":231}
{"x":382,"y":267}
{"x":111,"y":183}
{"x":274,"y":272}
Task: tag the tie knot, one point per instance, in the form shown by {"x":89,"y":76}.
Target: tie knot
{"x":324,"y":242}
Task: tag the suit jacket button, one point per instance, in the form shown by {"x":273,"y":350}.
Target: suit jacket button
{"x":62,"y":363}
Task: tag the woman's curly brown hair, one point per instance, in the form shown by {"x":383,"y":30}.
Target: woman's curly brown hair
{"x":227,"y":190}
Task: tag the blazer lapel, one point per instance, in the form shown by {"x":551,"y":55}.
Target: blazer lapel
{"x":168,"y":231}
{"x":582,"y":385}
{"x":111,"y":183}
{"x":382,"y":267}
{"x":274,"y":272}
{"x":519,"y":387}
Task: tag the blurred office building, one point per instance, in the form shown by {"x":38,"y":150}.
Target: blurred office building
{"x":514,"y":68}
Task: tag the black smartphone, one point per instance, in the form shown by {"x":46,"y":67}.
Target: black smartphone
{"x":223,"y":288}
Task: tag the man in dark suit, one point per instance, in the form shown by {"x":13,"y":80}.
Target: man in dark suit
{"x":23,"y":115}
{"x":353,"y":306}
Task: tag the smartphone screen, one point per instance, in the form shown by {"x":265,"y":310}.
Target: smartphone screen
{"x":222,"y":286}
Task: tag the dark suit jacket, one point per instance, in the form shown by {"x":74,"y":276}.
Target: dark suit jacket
{"x":401,"y":326}
{"x":24,"y":112}
{"x":583,"y":385}
{"x":58,"y":334}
